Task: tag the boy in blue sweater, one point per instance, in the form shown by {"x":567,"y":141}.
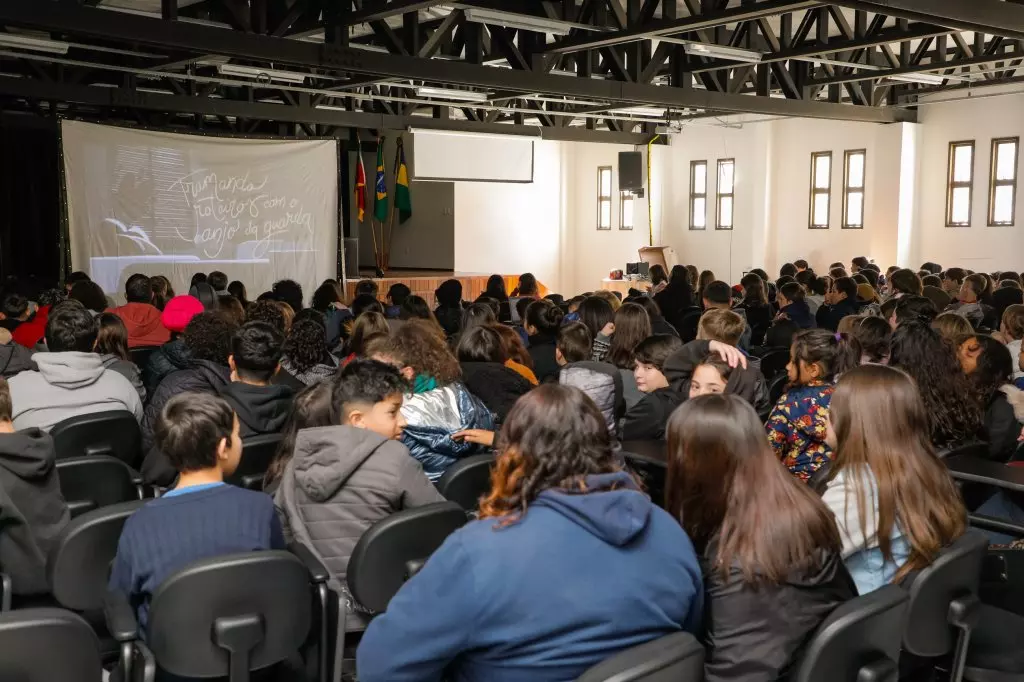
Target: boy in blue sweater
{"x":202,"y":517}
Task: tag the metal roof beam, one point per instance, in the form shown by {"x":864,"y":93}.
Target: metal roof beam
{"x":988,"y":16}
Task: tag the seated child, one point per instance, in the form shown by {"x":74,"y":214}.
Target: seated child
{"x":710,"y":376}
{"x":793,"y":307}
{"x":198,"y":433}
{"x":797,"y":423}
{"x":647,"y":419}
{"x":343,"y":478}
{"x":599,"y":380}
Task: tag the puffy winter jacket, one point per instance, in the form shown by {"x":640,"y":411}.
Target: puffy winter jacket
{"x":498,"y":386}
{"x":602,"y":382}
{"x":339,"y":482}
{"x":170,"y":357}
{"x":747,"y":383}
{"x":433,"y":416}
{"x":15,"y":358}
{"x":647,"y":419}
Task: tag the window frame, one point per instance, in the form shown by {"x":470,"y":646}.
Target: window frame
{"x":601,"y":198}
{"x":951,"y":184}
{"x":993,"y":183}
{"x":816,"y":191}
{"x":719,"y":194}
{"x":694,"y":195}
{"x":848,"y":189}
{"x":623,"y":197}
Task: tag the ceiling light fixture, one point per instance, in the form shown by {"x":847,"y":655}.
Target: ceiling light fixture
{"x":261,"y":74}
{"x":34,"y":44}
{"x":925,"y":78}
{"x":525,"y":22}
{"x":734,"y":54}
{"x":446,"y":93}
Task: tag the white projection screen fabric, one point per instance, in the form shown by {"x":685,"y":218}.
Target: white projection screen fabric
{"x":479,"y":157}
{"x":173,"y":205}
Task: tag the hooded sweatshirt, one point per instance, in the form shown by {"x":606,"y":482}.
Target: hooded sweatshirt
{"x":126,"y":368}
{"x":578,"y":578}
{"x":66,"y":385}
{"x":32,"y":510}
{"x":746,"y":382}
{"x":15,"y":358}
{"x":260,"y":409}
{"x":144,"y":325}
{"x":340,"y":481}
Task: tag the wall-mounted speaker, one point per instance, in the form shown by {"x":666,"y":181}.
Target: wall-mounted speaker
{"x":631,"y":173}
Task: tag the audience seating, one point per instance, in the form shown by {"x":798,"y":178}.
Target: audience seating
{"x":648,"y":460}
{"x":975,"y":471}
{"x":115,"y":433}
{"x":89,"y":483}
{"x":48,"y":645}
{"x":226,"y":616}
{"x":774,"y":362}
{"x":467,"y":481}
{"x":976,"y":450}
{"x":860,"y":640}
{"x":257,"y":453}
{"x":818,"y":481}
{"x":776,"y":387}
{"x":678,"y":657}
{"x":140,"y":355}
{"x":688,"y":323}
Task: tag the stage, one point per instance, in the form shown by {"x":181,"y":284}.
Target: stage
{"x":425,"y":282}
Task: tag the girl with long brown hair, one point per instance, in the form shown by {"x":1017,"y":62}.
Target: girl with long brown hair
{"x":569,"y":563}
{"x":770,"y":547}
{"x":893,"y":500}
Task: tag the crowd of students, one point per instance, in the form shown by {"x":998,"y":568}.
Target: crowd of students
{"x":791,"y":487}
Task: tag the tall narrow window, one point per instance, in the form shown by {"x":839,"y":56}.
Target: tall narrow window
{"x":725,"y":194}
{"x":604,"y":198}
{"x":821,"y":190}
{"x":853,"y":189}
{"x":698,"y":195}
{"x":960,"y":185}
{"x":626,"y":205}
{"x":1002,"y":193}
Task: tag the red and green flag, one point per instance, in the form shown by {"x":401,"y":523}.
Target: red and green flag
{"x":360,"y":190}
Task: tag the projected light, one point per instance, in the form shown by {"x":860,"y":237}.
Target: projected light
{"x":459,"y":95}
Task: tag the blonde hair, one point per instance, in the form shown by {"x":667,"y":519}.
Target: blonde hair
{"x":951,"y":326}
{"x":721,"y":325}
{"x":1013,"y":321}
{"x":610,"y":297}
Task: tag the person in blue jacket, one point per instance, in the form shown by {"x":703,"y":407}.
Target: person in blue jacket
{"x":568,"y":564}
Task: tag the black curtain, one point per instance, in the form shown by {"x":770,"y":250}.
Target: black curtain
{"x":30,"y":199}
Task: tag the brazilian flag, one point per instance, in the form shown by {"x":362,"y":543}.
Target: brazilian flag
{"x":403,"y":199}
{"x":380,"y":200}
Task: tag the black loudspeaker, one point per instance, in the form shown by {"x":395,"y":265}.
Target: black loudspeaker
{"x":351,"y":257}
{"x":631,"y":174}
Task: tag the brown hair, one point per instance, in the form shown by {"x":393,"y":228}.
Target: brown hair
{"x":112,"y":336}
{"x":612,"y":299}
{"x":848,"y":324}
{"x":882,"y":431}
{"x":6,"y":408}
{"x":905,"y":282}
{"x":514,"y":347}
{"x":874,"y":335}
{"x":417,"y":344}
{"x":835,"y":353}
{"x":287,"y":311}
{"x":1013,"y":321}
{"x":553,"y":437}
{"x":722,"y":325}
{"x":632,"y":325}
{"x":725,"y":484}
{"x":366,"y":325}
{"x":231,"y":309}
{"x":574,"y":342}
{"x":952,"y":325}
{"x":980,"y":284}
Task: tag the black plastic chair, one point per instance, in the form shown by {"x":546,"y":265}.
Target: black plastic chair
{"x":466,"y":481}
{"x":818,"y":481}
{"x":776,"y":387}
{"x":115,"y":433}
{"x":688,"y":324}
{"x":140,"y":355}
{"x":944,"y":603}
{"x":257,"y":453}
{"x":774,"y":362}
{"x":678,"y":657}
{"x":981,"y":477}
{"x":859,"y":641}
{"x":88,"y":483}
{"x":978,"y":450}
{"x":48,"y":645}
{"x":226,"y":616}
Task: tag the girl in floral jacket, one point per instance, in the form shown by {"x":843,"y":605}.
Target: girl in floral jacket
{"x":796,"y":426}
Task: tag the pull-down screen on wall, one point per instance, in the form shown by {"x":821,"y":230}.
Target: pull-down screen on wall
{"x":474,"y":157}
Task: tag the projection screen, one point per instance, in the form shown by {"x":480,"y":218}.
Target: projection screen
{"x":173,"y":205}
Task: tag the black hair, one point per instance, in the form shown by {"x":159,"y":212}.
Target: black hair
{"x":218,"y":280}
{"x":905,"y":281}
{"x":190,"y":429}
{"x":256,"y":350}
{"x":994,"y":369}
{"x":364,"y":303}
{"x":449,"y":294}
{"x":197,"y":278}
{"x":415,"y":308}
{"x":780,"y":334}
{"x":522,"y":304}
{"x":311,"y":408}
{"x":931,"y":281}
{"x":835,"y":353}
{"x":805,"y":277}
{"x":71,"y":328}
{"x":289,"y":291}
{"x":76,"y":277}
{"x":15,"y":305}
{"x":306,"y":345}
{"x":874,"y":336}
{"x":860,"y":261}
{"x":310,"y":315}
{"x":398,"y":293}
{"x":595,"y":312}
{"x":477,"y":314}
{"x":367,"y":286}
{"x":656,"y":349}
{"x":762,"y":274}
{"x":755,"y":290}
{"x":205,"y":294}
{"x":324,"y":296}
{"x":546,"y":317}
{"x":237,"y":289}
{"x":792,"y":291}
{"x":818,"y":286}
{"x":787,"y":270}
{"x":846,"y":285}
{"x":267,"y":311}
{"x":933,"y":268}
{"x":801,"y":265}
{"x":872,"y":277}
{"x":496,"y":288}
{"x":859,"y":278}
{"x":138,"y":289}
{"x":230,"y":307}
{"x":957,"y":275}
{"x":718,"y":292}
{"x":481,"y":344}
{"x":365,"y":382}
{"x":527,"y":285}
{"x":657,"y":274}
{"x":915,"y":308}
{"x":208,"y":337}
{"x":574,"y":342}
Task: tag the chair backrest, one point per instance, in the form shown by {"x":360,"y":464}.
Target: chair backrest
{"x":818,"y":481}
{"x":140,"y":355}
{"x":777,"y":386}
{"x":860,"y":640}
{"x":774,"y":362}
{"x":678,"y":657}
{"x":255,"y":605}
{"x":79,"y":564}
{"x":114,"y":433}
{"x":466,"y":481}
{"x":967,"y":450}
{"x":257,"y":453}
{"x":385,"y":554}
{"x":46,"y":645}
{"x":89,"y":483}
{"x":955,"y":574}
{"x":688,"y":324}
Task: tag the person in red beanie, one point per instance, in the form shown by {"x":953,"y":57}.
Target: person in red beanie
{"x":174,"y":354}
{"x":140,"y":316}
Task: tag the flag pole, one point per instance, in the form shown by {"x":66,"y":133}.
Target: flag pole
{"x":391,"y":221}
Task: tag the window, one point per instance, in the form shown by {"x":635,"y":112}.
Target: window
{"x":698,"y":195}
{"x":1002,"y":193}
{"x":725,"y":196}
{"x":626,"y":205}
{"x":960,"y":184}
{"x":821,"y":190}
{"x":853,"y":189}
{"x":604,"y":198}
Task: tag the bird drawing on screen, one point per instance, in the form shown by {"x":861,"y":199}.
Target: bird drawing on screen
{"x":134,"y":233}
